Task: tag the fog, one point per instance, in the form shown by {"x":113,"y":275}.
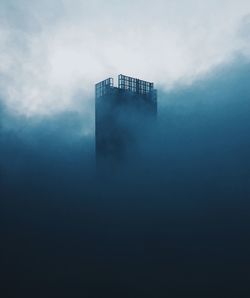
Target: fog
{"x":172,"y":221}
{"x":52,"y":51}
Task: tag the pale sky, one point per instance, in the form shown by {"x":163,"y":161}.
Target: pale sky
{"x":53,"y":52}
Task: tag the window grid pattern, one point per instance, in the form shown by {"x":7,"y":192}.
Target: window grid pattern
{"x":134,"y":85}
{"x":103,"y":87}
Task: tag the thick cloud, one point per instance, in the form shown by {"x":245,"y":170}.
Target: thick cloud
{"x":52,"y":51}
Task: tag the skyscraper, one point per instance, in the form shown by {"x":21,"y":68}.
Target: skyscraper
{"x":119,"y":113}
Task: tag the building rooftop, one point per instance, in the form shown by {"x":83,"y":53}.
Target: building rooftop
{"x":124,"y":83}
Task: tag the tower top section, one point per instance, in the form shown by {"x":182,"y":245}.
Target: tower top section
{"x":127,"y":83}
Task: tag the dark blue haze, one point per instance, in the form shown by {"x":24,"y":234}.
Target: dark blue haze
{"x":172,"y":222}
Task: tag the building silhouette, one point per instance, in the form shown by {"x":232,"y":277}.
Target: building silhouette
{"x":120,"y":113}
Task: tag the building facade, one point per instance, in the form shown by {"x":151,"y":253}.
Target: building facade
{"x":119,"y":115}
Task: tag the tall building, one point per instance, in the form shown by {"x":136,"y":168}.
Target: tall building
{"x":119,"y":115}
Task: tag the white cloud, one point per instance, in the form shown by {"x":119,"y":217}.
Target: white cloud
{"x":52,"y":50}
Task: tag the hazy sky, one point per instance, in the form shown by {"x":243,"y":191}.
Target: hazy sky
{"x":52,"y":52}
